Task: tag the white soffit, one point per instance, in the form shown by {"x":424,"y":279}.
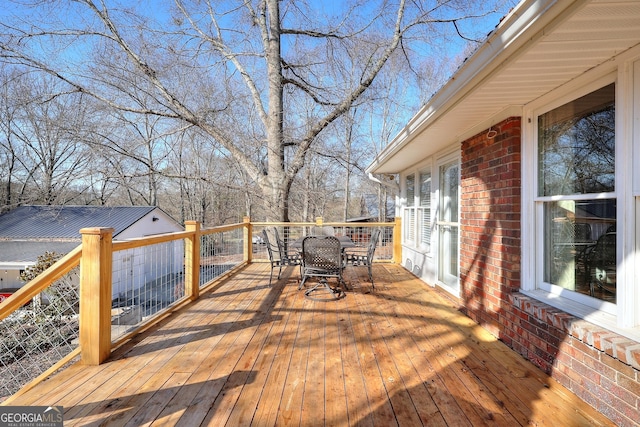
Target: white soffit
{"x":538,"y":47}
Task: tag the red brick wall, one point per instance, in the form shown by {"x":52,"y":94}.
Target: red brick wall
{"x":601,"y":367}
{"x":490,"y":223}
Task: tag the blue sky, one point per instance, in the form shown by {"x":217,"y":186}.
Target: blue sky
{"x":158,"y":10}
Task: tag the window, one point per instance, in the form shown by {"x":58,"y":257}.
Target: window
{"x":576,"y":196}
{"x":417,"y":211}
{"x":424,"y":210}
{"x":409,"y":211}
{"x":581,"y":197}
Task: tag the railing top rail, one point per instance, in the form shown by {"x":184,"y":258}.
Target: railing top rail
{"x":221,"y":228}
{"x":359,"y":224}
{"x":311,"y":224}
{"x":136,"y":242}
{"x":120,"y":245}
{"x":41,"y":282}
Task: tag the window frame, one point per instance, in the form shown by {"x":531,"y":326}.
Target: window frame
{"x":622,"y":317}
{"x":409,"y":211}
{"x":423,"y":242}
{"x":541,"y":201}
{"x":413,"y":210}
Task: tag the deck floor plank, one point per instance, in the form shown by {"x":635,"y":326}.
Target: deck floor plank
{"x":336,"y":397}
{"x":448,"y":352}
{"x":67,"y":381}
{"x":379,"y":402}
{"x":249,"y":354}
{"x":313,"y":397}
{"x":290,"y":407}
{"x":226,"y":355}
{"x":204,"y":359}
{"x":403,"y":348}
{"x":149,"y":412}
{"x":253,"y":339}
{"x":268,"y":405}
{"x":79,"y":413}
{"x":413,"y":343}
{"x":357,"y":400}
{"x":380,"y":330}
{"x":422,"y":400}
{"x":244,"y":410}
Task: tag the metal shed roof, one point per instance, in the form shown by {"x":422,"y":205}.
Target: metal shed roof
{"x":27,"y":252}
{"x":64,"y":222}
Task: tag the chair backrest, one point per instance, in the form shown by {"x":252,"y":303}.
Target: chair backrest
{"x":270,"y":240}
{"x":282,"y":249}
{"x":602,"y":259}
{"x":322,"y":253}
{"x":582,"y":232}
{"x":325,"y":230}
{"x":603,"y":254}
{"x":373,"y":242}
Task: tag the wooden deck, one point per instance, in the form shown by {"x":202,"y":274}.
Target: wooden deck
{"x":246,"y":354}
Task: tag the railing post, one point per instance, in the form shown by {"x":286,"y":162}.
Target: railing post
{"x":95,"y":294}
{"x":248,"y":239}
{"x":397,"y":241}
{"x":192,"y":261}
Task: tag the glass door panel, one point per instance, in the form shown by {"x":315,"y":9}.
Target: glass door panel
{"x":448,"y":226}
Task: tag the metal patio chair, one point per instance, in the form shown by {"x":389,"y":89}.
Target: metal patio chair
{"x":279,"y":256}
{"x":601,"y":264}
{"x":322,"y":258}
{"x":290,"y":255}
{"x":364,"y":256}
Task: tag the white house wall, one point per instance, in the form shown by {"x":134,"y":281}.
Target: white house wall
{"x":10,"y":275}
{"x":140,"y":267}
{"x":146,"y":226}
{"x":420,"y":264}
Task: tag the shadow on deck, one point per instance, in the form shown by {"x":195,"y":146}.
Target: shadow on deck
{"x":249,"y":354}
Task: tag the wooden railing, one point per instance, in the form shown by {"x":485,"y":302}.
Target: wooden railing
{"x":297,"y":229}
{"x":95,"y":258}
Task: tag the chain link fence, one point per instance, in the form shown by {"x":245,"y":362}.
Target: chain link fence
{"x":39,"y":334}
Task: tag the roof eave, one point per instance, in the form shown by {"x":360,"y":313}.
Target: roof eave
{"x":523,"y":25}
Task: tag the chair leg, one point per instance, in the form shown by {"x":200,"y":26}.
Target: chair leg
{"x":270,"y":276}
{"x":336,"y":293}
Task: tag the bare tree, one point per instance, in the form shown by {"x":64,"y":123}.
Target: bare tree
{"x":237,"y":70}
{"x":348,"y":139}
{"x":42,"y":139}
{"x":51,"y":143}
{"x":9,"y":149}
{"x":143,"y":144}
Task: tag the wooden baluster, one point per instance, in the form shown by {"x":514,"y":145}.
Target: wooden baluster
{"x":248,"y":239}
{"x":192,"y":261}
{"x":397,"y":241}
